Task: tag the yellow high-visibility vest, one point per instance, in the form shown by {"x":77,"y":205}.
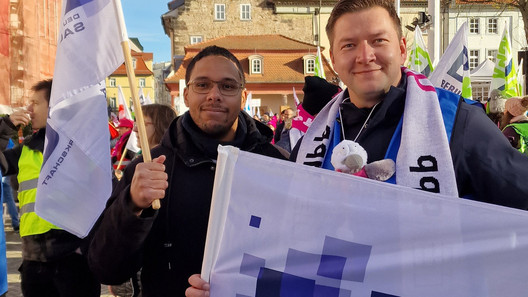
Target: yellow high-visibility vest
{"x":29,"y":165}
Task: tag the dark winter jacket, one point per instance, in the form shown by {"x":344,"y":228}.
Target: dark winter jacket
{"x":168,"y":243}
{"x":487,"y":168}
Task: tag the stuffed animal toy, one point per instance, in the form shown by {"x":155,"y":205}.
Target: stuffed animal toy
{"x":350,"y":157}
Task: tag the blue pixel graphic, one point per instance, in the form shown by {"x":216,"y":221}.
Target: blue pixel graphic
{"x":308,"y":274}
{"x":255,"y":221}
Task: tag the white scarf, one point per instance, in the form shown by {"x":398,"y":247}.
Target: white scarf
{"x":423,"y":160}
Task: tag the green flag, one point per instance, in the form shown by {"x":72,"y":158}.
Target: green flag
{"x":419,"y":59}
{"x":319,"y":69}
{"x":504,"y":75}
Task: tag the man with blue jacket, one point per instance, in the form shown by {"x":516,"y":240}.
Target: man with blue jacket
{"x":439,"y":142}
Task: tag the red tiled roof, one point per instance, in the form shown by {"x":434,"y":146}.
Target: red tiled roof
{"x":282,"y":57}
{"x":141,"y":66}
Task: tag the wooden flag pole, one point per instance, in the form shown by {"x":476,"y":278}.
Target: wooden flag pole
{"x":140,"y":121}
{"x":118,"y":172}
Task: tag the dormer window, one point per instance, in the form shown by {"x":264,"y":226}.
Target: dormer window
{"x":134,"y":60}
{"x":309,"y":64}
{"x":255,"y":64}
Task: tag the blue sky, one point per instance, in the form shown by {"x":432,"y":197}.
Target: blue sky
{"x":143,"y":20}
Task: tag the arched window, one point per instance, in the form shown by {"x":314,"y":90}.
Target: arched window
{"x":309,"y":64}
{"x":255,"y":64}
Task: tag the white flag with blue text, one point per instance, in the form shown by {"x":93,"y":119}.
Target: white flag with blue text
{"x":452,"y":72}
{"x":75,"y":180}
{"x":318,"y":232}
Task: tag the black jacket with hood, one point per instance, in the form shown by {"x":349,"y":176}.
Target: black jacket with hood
{"x":168,"y":244}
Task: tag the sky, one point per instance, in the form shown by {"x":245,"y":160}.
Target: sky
{"x":143,"y":20}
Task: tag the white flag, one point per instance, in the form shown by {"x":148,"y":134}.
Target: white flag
{"x":452,"y":71}
{"x":75,"y":180}
{"x":322,"y":233}
{"x":297,"y":101}
{"x":124,"y":111}
{"x":143,"y":100}
{"x":148,"y":100}
{"x":247,"y":107}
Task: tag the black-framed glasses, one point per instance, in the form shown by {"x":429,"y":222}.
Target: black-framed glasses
{"x":226,"y":87}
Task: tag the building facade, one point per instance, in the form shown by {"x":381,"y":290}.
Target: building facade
{"x":28,"y":45}
{"x":142,"y":64}
{"x":161,"y":72}
{"x":196,"y":21}
{"x":274,"y":66}
{"x":486,"y":24}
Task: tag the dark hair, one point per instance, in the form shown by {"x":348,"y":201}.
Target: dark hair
{"x":214,"y":50}
{"x":161,"y":115}
{"x":43,"y":85}
{"x":348,"y":6}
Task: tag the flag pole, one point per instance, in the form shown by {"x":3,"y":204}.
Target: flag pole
{"x":118,"y":172}
{"x":133,"y":88}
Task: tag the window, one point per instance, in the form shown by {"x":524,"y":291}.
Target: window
{"x":196,"y":39}
{"x":474,"y":26}
{"x":112,"y":82}
{"x":473,"y":58}
{"x":142,"y":82}
{"x":134,"y":60}
{"x":480,"y":90}
{"x":219,"y":13}
{"x":310,"y":66}
{"x":113,"y":103}
{"x":245,"y":12}
{"x":492,"y":55}
{"x":256,"y":66}
{"x":493,"y":26}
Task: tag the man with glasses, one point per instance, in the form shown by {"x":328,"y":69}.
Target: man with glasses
{"x":168,"y":244}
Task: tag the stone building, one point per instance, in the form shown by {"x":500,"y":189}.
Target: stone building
{"x":161,"y":72}
{"x":190,"y":22}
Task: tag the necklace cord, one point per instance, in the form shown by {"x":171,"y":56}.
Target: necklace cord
{"x":364,"y":123}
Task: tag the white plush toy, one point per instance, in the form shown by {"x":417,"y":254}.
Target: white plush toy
{"x":350,"y":157}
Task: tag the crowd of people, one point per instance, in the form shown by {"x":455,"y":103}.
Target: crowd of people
{"x":467,"y":155}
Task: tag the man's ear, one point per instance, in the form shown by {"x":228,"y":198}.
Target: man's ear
{"x":403,"y":50}
{"x":332,"y":57}
{"x":243,"y":99}
{"x":185,"y":94}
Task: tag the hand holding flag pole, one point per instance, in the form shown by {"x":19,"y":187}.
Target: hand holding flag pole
{"x":140,"y":121}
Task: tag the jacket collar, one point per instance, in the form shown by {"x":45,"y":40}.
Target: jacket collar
{"x":194,"y":147}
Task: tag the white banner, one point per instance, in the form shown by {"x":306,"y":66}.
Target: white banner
{"x":281,"y":229}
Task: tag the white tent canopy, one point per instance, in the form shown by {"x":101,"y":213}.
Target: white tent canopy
{"x":483,"y":72}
